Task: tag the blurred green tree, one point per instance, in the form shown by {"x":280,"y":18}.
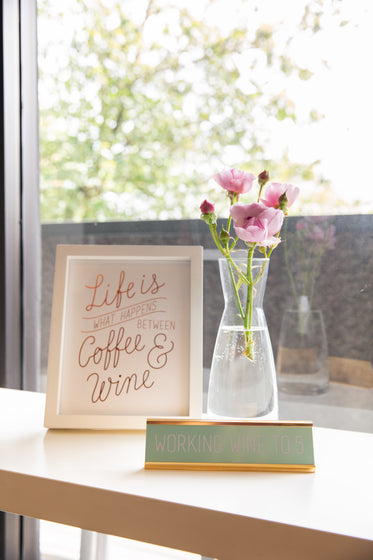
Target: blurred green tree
{"x":135,"y":116}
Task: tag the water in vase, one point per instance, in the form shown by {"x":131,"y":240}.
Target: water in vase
{"x":239,"y":387}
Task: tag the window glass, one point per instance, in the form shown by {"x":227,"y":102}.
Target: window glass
{"x":141,"y":102}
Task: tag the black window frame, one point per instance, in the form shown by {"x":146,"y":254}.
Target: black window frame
{"x":19,"y":232}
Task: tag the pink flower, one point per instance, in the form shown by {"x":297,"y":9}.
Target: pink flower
{"x":207,"y":207}
{"x":254,"y":223}
{"x":235,"y":180}
{"x":274,"y":191}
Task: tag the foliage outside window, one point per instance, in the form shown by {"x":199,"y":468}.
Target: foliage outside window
{"x":141,"y":102}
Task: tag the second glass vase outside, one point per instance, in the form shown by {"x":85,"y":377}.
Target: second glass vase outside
{"x":302,"y":359}
{"x":240,"y":387}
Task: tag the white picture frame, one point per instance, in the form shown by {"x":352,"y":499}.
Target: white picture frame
{"x":126,"y":336}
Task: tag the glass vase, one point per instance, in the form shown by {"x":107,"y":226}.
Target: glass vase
{"x":240,"y":387}
{"x":302,"y":358}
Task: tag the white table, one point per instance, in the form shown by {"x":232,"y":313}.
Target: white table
{"x":96,"y":481}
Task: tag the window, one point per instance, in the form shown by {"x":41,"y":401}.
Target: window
{"x":142,"y":102}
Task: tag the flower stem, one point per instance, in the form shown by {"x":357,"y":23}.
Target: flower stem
{"x":236,"y":290}
{"x":249,"y":339}
{"x":239,"y":277}
{"x":217,"y":240}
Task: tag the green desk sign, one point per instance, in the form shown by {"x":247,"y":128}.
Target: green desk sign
{"x":229,"y":445}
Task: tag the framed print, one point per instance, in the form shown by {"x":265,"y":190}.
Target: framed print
{"x":126,"y":336}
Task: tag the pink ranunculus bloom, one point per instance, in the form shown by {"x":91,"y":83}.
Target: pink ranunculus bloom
{"x":234,"y":180}
{"x":273,"y":192}
{"x":254,"y":223}
{"x":207,"y":207}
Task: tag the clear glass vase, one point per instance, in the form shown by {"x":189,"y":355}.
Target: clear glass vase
{"x":302,"y":358}
{"x":240,"y":387}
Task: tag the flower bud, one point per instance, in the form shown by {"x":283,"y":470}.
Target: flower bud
{"x":207,"y":207}
{"x":263,"y":178}
{"x":224,"y":235}
{"x":283,"y":202}
{"x":208,"y":213}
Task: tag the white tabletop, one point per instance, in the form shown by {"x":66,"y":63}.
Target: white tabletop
{"x":96,"y":481}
